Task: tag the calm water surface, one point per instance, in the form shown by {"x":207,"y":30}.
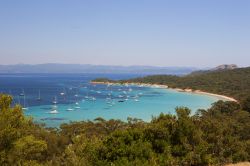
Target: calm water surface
{"x":54,"y":99}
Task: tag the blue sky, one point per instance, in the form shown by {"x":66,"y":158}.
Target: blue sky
{"x":201,"y":33}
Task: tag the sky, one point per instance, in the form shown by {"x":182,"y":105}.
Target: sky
{"x":198,"y":33}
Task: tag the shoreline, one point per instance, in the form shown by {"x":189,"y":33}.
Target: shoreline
{"x":200,"y":92}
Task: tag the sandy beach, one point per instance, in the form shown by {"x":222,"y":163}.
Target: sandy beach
{"x":222,"y":97}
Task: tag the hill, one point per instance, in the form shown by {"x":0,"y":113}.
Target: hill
{"x":234,"y":83}
{"x":218,"y":68}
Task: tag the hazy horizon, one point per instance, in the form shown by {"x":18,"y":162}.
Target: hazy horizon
{"x":126,"y":33}
{"x":203,"y":68}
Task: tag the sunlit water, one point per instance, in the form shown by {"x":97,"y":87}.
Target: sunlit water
{"x":76,"y":99}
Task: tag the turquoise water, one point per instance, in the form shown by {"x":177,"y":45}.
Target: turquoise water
{"x":79,"y":100}
{"x":151,"y":102}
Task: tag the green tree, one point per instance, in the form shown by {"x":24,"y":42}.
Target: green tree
{"x":17,"y":145}
{"x":246,"y":104}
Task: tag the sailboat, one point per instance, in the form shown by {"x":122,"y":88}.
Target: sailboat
{"x":22,"y":93}
{"x":63,"y":93}
{"x":39,"y":96}
{"x":77,"y":107}
{"x":53,"y":111}
{"x":70,"y":108}
{"x":55,"y":100}
{"x":24,"y":103}
{"x":54,"y":107}
{"x":76,"y":103}
{"x":87,"y":96}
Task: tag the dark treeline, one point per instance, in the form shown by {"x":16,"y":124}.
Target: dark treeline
{"x":234,"y":83}
{"x":215,"y":136}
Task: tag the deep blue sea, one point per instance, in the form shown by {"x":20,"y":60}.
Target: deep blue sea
{"x":54,"y":99}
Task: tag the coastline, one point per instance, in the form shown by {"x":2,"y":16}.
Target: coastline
{"x":222,"y":97}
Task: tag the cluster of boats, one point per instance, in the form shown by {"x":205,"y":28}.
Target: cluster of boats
{"x":111,"y":99}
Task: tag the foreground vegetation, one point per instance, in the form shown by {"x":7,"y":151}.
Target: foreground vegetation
{"x":215,"y":136}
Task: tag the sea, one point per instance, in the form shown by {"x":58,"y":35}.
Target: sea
{"x":54,"y":99}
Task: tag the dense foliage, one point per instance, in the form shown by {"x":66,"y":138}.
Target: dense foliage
{"x":235,"y":83}
{"x":214,"y":136}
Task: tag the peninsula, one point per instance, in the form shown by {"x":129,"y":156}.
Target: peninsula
{"x":227,"y":84}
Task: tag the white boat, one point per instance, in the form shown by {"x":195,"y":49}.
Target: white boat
{"x":70,"y":109}
{"x":54,"y":111}
{"x":137,"y":100}
{"x":63,"y":92}
{"x":55,"y":100}
{"x":99,"y":92}
{"x":24,"y":103}
{"x":39,"y":96}
{"x":22,"y":93}
{"x":77,"y":106}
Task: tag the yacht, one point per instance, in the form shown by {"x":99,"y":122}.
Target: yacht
{"x":39,"y":96}
{"x":63,"y":92}
{"x":55,"y":100}
{"x":70,"y":109}
{"x":53,"y":111}
{"x":24,"y":103}
{"x":22,"y":93}
{"x":77,"y":105}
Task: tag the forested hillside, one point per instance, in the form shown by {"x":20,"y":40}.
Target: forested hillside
{"x":234,"y":83}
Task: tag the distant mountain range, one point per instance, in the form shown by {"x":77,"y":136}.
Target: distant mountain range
{"x":85,"y":68}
